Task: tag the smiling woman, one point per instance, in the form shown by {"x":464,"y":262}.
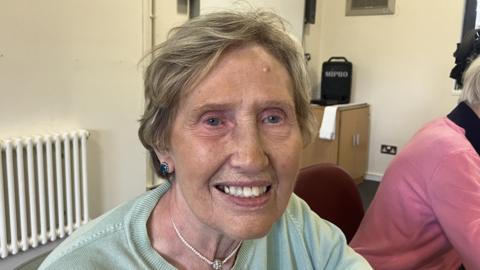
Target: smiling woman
{"x":225,"y":121}
{"x":224,"y":136}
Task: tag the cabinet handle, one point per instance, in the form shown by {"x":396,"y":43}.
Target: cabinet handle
{"x":356,"y":139}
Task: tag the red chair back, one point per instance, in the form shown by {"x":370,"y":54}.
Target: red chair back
{"x":331,"y":193}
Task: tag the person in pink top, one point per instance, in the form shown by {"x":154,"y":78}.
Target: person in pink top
{"x":426,"y":212}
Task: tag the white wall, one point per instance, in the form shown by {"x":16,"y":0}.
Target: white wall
{"x":401,"y":64}
{"x":73,"y":64}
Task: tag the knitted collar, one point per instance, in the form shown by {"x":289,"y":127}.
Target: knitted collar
{"x":466,"y":118}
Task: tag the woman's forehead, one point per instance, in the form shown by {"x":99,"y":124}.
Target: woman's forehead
{"x":244,"y":73}
{"x":235,"y":53}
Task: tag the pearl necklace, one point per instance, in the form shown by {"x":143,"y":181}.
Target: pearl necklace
{"x":216,"y":264}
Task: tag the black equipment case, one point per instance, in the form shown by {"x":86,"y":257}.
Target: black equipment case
{"x":336,"y":81}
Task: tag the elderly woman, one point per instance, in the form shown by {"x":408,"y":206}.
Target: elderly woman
{"x":227,"y":114}
{"x":426,"y":212}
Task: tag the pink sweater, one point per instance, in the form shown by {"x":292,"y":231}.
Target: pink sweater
{"x":426,"y":213}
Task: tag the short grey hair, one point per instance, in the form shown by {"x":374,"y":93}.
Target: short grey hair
{"x":471,"y":84}
{"x":190,"y":52}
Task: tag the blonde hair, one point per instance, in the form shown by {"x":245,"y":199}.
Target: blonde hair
{"x":192,"y":49}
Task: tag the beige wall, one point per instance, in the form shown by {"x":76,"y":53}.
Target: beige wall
{"x":73,"y":64}
{"x":401,"y":64}
{"x":167,"y":15}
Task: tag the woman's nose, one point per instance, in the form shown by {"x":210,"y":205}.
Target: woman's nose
{"x":249,"y":153}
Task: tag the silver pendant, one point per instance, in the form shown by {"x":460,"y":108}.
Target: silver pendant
{"x":217,"y":264}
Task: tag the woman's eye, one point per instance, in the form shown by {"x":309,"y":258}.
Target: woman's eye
{"x":273,"y":119}
{"x":213,"y":121}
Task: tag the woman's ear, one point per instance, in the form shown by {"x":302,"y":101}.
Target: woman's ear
{"x":165,"y":157}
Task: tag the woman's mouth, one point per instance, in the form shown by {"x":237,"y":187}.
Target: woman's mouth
{"x":244,"y":191}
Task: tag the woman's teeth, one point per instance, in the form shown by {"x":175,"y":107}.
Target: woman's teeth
{"x":244,"y":192}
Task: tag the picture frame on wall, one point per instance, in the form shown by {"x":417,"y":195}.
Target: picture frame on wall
{"x":370,"y":7}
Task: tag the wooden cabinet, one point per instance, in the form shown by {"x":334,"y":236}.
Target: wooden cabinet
{"x":349,"y":149}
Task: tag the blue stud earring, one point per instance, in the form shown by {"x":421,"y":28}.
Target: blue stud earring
{"x":164,"y":169}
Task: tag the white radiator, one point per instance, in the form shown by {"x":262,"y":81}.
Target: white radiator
{"x":43,"y":189}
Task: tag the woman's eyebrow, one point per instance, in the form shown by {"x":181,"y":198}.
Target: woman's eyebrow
{"x":286,"y":105}
{"x":212,"y":107}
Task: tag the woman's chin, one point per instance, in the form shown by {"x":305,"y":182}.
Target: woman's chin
{"x":253,"y":231}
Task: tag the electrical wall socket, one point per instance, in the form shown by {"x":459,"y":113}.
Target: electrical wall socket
{"x":388,"y":149}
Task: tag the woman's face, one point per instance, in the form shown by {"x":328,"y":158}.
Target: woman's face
{"x":235,"y":145}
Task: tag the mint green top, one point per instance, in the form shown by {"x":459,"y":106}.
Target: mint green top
{"x":119,"y":240}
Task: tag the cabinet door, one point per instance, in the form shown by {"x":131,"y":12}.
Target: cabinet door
{"x":353,"y":145}
{"x":320,"y":151}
